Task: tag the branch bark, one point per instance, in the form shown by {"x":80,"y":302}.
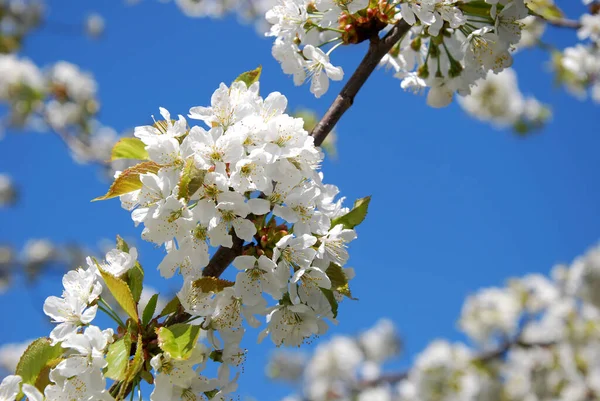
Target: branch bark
{"x":223,"y":258}
{"x":377,"y":49}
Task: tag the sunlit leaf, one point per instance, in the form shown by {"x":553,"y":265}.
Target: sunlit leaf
{"x":118,"y":358}
{"x":129,"y":180}
{"x":36,"y":361}
{"x":179,"y":340}
{"x":250,"y":77}
{"x":129,"y":148}
{"x":355,"y":216}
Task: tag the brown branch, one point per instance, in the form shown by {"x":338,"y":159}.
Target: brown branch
{"x":223,"y":258}
{"x":377,"y":49}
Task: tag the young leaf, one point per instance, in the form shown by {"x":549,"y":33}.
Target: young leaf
{"x":332,"y":301}
{"x":339,"y":280}
{"x":129,"y":180}
{"x":122,"y":245}
{"x":135,"y":280}
{"x":118,"y":358}
{"x":135,"y":275}
{"x":250,"y":77}
{"x":129,"y":148}
{"x":33,"y":367}
{"x":178,"y":340}
{"x":120,"y":290}
{"x":212,"y":284}
{"x":137,"y":362}
{"x":171,"y":307}
{"x":546,"y":9}
{"x":149,"y":309}
{"x":355,"y":216}
{"x":191,"y":180}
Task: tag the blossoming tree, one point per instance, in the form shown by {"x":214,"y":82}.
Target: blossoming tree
{"x":237,"y":185}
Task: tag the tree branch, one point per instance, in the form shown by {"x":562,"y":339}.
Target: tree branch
{"x":561,"y":22}
{"x":486,"y":356}
{"x":377,"y":49}
{"x":223,"y":258}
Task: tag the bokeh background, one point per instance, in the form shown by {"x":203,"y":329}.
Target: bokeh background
{"x":456,"y":204}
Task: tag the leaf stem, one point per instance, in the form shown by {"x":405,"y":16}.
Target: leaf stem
{"x":106,"y":308}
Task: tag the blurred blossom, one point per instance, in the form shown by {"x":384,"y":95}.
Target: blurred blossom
{"x":381,"y":342}
{"x":491,"y":315}
{"x":36,"y":254}
{"x":536,"y":339}
{"x":8,"y":194}
{"x":94,"y":25}
{"x":383,"y":393}
{"x":497,"y":99}
{"x":286,"y":365}
{"x":333,"y":364}
{"x":533,"y":29}
{"x":7,"y":261}
{"x":98,"y":147}
{"x":38,"y":251}
{"x":585,"y":276}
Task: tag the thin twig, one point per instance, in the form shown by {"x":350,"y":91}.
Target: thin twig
{"x":377,"y":49}
{"x":486,"y":356}
{"x":561,"y":22}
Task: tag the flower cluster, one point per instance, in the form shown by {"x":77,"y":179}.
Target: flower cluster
{"x":450,"y":45}
{"x":249,"y":180}
{"x":248,"y":11}
{"x":497,"y":99}
{"x":535,"y":339}
{"x":17,"y":18}
{"x":578,"y":67}
{"x":61,"y":98}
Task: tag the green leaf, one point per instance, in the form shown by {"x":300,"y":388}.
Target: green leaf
{"x":332,"y":301}
{"x":339,"y":280}
{"x":250,"y":77}
{"x":477,"y":7}
{"x":135,"y":280}
{"x":545,"y":9}
{"x":129,"y":180}
{"x":171,"y":307}
{"x":179,"y":340}
{"x":118,"y":358}
{"x":122,"y":245}
{"x":137,"y":362}
{"x":129,"y":148}
{"x":191,"y":180}
{"x":121,"y":292}
{"x":355,"y":216}
{"x":212,"y":284}
{"x":149,"y":309}
{"x":135,"y":275}
{"x":35,"y":363}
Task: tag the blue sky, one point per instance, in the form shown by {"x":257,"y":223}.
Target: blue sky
{"x":456,"y":204}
